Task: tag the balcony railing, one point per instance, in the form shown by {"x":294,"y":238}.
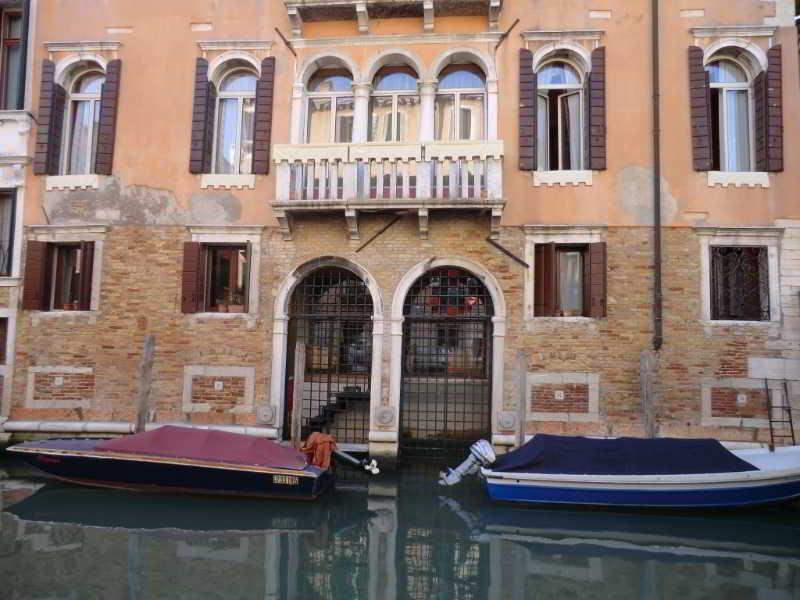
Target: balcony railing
{"x":454,"y":172}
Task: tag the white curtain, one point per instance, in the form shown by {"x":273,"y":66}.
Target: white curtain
{"x":570,"y":283}
{"x":247,"y":137}
{"x":573,"y":103}
{"x":82,"y":120}
{"x":737,"y":129}
{"x":7,"y":201}
{"x":227,"y":123}
{"x":542,"y":134}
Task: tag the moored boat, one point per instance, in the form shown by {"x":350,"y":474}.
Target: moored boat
{"x":629,"y":472}
{"x":188,"y":460}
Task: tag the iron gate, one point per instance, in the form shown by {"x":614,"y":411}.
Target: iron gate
{"x":331,"y":314}
{"x":445,"y":395}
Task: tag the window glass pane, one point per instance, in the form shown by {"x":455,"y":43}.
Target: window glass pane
{"x":246,"y":139}
{"x":570,"y":282}
{"x":91,"y":83}
{"x":240,"y":81}
{"x":330,"y":81}
{"x":319,"y":121}
{"x":95,"y":129}
{"x":737,"y":131}
{"x":227,"y":122}
{"x":80,"y":132}
{"x":227,"y":278}
{"x":12,"y":62}
{"x":14,"y":26}
{"x":463,"y":77}
{"x":65,"y":294}
{"x":408,"y":111}
{"x":393,"y":80}
{"x":569,"y":105}
{"x":345,"y":108}
{"x":542,"y":134}
{"x":557,"y":73}
{"x":7,"y":201}
{"x":725,"y":71}
{"x":381,"y":119}
{"x":445,"y":117}
{"x":471,"y":115}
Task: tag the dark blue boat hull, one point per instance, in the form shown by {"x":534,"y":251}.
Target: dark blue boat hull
{"x":132,"y":474}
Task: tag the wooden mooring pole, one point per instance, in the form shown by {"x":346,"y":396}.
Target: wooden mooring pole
{"x":145,"y":381}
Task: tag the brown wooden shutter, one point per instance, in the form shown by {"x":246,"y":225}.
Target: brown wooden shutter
{"x":246,"y":276}
{"x":595,"y":127}
{"x":192,"y":281}
{"x":107,"y":130}
{"x":85,"y":281}
{"x":545,"y":280}
{"x":700,"y":110}
{"x":34,"y":293}
{"x":774,"y":109}
{"x":527,"y":111}
{"x":760,"y":120}
{"x":597,"y":276}
{"x":263,"y":128}
{"x":202,"y":119}
{"x":52,"y":99}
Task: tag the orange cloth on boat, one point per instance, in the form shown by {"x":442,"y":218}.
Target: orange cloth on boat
{"x":318,"y":449}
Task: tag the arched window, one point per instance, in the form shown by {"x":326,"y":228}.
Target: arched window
{"x":82,"y":121}
{"x":394,"y":106}
{"x":559,"y":114}
{"x":329,"y":118}
{"x":731,"y":119}
{"x":235,"y":121}
{"x":460,"y":103}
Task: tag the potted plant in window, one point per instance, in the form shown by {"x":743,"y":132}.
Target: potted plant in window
{"x":236,"y":303}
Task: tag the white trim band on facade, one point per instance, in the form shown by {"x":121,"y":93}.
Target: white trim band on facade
{"x":68,"y":426}
{"x":738,"y":179}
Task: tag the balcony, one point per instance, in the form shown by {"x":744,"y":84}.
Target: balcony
{"x":305,"y":11}
{"x":386,"y":176}
{"x":15,"y":131}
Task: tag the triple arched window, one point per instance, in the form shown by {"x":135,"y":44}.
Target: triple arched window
{"x":329,"y":114}
{"x":394,"y":106}
{"x":461,"y":103}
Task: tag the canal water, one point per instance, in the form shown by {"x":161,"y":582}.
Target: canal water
{"x":393,"y":536}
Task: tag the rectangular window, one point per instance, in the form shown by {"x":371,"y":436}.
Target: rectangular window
{"x":66,"y":276}
{"x":12,"y":67}
{"x":8,"y":201}
{"x":739,"y":283}
{"x":570,"y":280}
{"x":227,"y":274}
{"x":58,"y":276}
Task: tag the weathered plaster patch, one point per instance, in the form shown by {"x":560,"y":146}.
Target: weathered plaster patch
{"x":635,"y":195}
{"x":217,"y":207}
{"x":117,"y":204}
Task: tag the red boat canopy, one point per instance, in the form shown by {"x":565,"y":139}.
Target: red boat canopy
{"x":208,"y":445}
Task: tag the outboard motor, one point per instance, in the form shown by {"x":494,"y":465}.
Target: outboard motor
{"x":370,"y":466}
{"x":481,"y":454}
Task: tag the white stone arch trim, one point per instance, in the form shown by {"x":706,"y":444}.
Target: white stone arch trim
{"x":498,"y":331}
{"x":219,"y":65}
{"x":480,"y":58}
{"x":583,"y":56}
{"x":325,"y":59}
{"x":66,"y":67}
{"x":752,"y":54}
{"x":381,"y":59}
{"x":280,"y":331}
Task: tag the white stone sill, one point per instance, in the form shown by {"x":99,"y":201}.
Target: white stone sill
{"x":562,"y":178}
{"x":738,"y":179}
{"x":71,"y":182}
{"x":563,"y":320}
{"x":248,"y":318}
{"x":227,"y":182}
{"x":723,"y":323}
{"x":563,"y":416}
{"x":10,"y":281}
{"x":74,"y":315}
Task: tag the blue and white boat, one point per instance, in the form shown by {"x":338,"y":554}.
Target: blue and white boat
{"x":630,"y":472}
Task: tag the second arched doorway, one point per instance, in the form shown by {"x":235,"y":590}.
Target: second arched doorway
{"x":446,"y":387}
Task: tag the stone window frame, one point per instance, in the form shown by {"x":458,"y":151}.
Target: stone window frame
{"x":15,"y":276}
{"x":64,"y":234}
{"x":30,"y":387}
{"x":246,"y":373}
{"x":7,"y":368}
{"x":708,"y":383}
{"x":557,"y":234}
{"x":769,"y":237}
{"x":592,"y":380}
{"x":234,"y":234}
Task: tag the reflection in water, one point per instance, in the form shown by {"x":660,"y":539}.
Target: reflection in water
{"x":394,"y":537}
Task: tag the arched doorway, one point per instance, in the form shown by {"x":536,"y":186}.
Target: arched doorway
{"x":446,"y":387}
{"x":330,"y":322}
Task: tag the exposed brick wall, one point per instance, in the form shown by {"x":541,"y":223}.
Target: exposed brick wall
{"x":220,"y":401}
{"x":724,"y":403}
{"x":75,"y":387}
{"x":576,"y":398}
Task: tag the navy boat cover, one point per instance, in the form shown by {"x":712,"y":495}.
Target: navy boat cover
{"x":557,"y":454}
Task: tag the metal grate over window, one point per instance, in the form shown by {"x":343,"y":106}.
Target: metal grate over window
{"x":331,"y":316}
{"x":446,"y":385}
{"x":739,"y":283}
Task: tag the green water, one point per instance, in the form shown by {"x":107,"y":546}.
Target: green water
{"x":394,"y":536}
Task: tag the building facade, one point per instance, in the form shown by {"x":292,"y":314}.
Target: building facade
{"x":410,"y":224}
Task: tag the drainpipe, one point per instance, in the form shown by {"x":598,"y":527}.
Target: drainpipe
{"x":658,"y":333}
